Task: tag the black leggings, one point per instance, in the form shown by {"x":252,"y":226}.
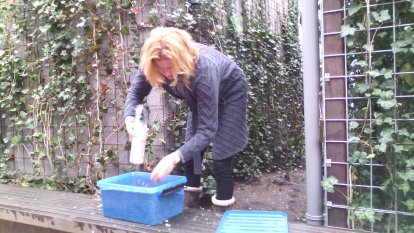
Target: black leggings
{"x":222,"y":173}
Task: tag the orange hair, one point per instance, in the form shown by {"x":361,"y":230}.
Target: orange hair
{"x":169,"y":43}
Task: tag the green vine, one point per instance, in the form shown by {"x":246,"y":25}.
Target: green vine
{"x":272,"y":65}
{"x":66,"y":46}
{"x":380,"y":128}
{"x":65,"y":67}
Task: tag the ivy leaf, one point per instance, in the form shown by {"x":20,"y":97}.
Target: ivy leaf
{"x":347,"y":30}
{"x":407,"y":175}
{"x":395,"y":48}
{"x":374,"y":73}
{"x":37,"y":3}
{"x":387,"y":94}
{"x":368,"y":47}
{"x":388,"y":85}
{"x":378,"y":115}
{"x":388,"y":120}
{"x":382,"y":34}
{"x":45,"y":28}
{"x":409,"y":204}
{"x":410,"y":163}
{"x":382,"y":147}
{"x":406,"y":67}
{"x":398,"y":148}
{"x":16,"y":140}
{"x":409,"y":79}
{"x":4,"y":85}
{"x":354,"y":9}
{"x":387,"y":104}
{"x":365,"y":214}
{"x":368,"y":130}
{"x":328,"y":184}
{"x":407,"y":115}
{"x":379,"y":121}
{"x":387,"y":73}
{"x":381,"y":16}
{"x":405,"y":187}
{"x":360,"y":157}
{"x":403,"y":132}
{"x":362,"y":88}
{"x":362,"y":63}
{"x":353,"y":139}
{"x":353,"y":125}
{"x":386,"y":136}
{"x":350,"y":42}
{"x":361,"y":26}
{"x":402,"y":43}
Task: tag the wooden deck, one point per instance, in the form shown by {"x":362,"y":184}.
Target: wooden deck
{"x":34,"y":210}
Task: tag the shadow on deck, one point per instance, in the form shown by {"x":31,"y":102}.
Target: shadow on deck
{"x":35,"y":210}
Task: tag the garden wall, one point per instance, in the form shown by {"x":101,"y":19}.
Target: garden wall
{"x":52,"y":123}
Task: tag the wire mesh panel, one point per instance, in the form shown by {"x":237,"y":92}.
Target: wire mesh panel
{"x":367,"y":87}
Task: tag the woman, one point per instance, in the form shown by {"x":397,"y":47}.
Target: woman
{"x":215,"y":90}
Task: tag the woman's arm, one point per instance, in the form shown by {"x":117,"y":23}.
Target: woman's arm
{"x":137,"y":92}
{"x":206,"y":93}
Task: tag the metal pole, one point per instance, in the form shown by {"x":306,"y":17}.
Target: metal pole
{"x":311,"y":75}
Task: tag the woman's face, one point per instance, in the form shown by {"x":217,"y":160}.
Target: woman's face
{"x":164,"y":66}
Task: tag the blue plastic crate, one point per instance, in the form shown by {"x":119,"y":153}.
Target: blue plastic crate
{"x":135,"y":197}
{"x":242,"y":221}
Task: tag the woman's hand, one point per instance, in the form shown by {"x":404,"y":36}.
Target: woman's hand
{"x":165,"y":166}
{"x":130,"y":127}
{"x":129,"y":124}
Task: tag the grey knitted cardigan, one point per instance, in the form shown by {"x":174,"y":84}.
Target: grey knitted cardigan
{"x":217,"y":101}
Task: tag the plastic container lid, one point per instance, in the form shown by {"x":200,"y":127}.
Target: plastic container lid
{"x":241,"y":221}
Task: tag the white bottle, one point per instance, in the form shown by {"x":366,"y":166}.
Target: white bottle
{"x":140,"y":137}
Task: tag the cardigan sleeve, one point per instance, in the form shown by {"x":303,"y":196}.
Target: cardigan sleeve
{"x":137,"y":92}
{"x":206,"y":94}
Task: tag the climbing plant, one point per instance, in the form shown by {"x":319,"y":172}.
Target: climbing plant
{"x":65,"y":64}
{"x":379,"y":41}
{"x":272,"y":64}
{"x":60,"y":58}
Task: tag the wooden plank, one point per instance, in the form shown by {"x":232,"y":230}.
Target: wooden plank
{"x":329,"y":5}
{"x":72,"y":212}
{"x":333,"y":44}
{"x":332,"y":22}
{"x":336,"y":151}
{"x":335,"y":109}
{"x":12,"y":227}
{"x":34,"y":210}
{"x":70,"y":223}
{"x":304,"y":228}
{"x":334,"y":65}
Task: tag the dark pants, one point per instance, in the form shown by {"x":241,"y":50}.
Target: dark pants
{"x":222,"y":173}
